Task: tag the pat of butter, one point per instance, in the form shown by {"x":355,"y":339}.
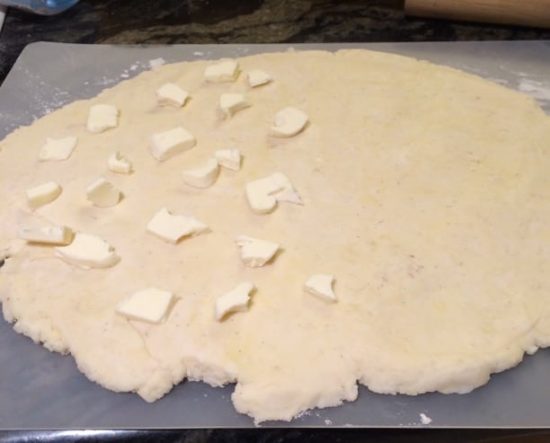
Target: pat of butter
{"x":102,"y":117}
{"x":171,"y":94}
{"x":165,"y":145}
{"x":255,"y":252}
{"x":151,"y":305}
{"x":119,"y":164}
{"x":229,"y":158}
{"x":231,"y":103}
{"x":103,"y":194}
{"x":203,"y":176}
{"x":320,"y":285}
{"x":288,"y":122}
{"x":223,"y":71}
{"x":172,"y":228}
{"x":235,"y":300}
{"x":57,"y":149}
{"x":50,"y":235}
{"x":43,"y":194}
{"x":256,"y":77}
{"x":88,"y":251}
{"x":263,"y":194}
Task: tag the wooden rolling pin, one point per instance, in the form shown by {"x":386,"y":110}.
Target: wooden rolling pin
{"x":514,"y":12}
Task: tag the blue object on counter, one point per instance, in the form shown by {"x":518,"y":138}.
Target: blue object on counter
{"x":43,"y":7}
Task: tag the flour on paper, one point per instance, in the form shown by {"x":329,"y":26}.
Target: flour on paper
{"x":538,"y":90}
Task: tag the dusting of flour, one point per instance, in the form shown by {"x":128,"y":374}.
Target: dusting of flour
{"x":424,"y":419}
{"x":536,"y":89}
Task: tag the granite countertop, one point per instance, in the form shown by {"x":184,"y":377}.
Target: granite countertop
{"x":251,"y":21}
{"x":238,"y":21}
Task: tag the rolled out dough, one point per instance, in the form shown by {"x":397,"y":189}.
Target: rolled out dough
{"x":426,"y":193}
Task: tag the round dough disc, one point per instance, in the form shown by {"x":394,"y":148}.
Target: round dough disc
{"x":426,"y":193}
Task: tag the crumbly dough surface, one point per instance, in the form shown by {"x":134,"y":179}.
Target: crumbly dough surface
{"x":426,"y":193}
